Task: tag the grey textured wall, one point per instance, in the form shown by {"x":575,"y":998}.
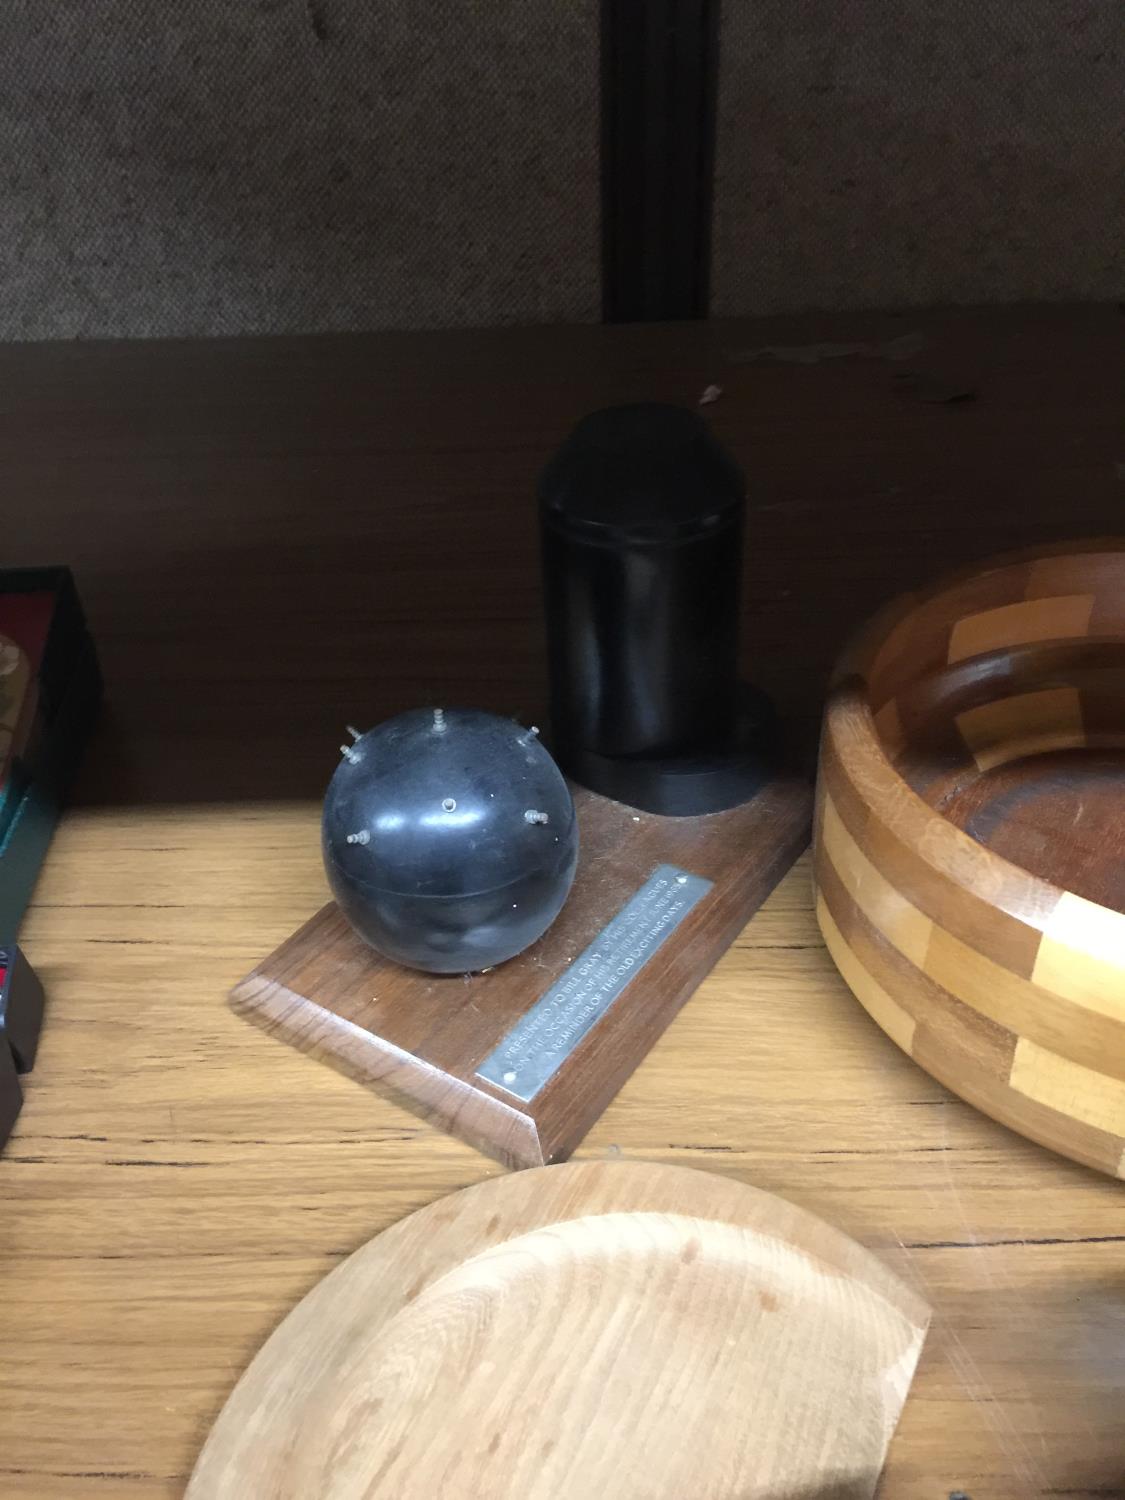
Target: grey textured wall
{"x":231,"y":166}
{"x":898,"y":152}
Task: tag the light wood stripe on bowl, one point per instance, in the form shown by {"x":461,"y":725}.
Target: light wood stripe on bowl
{"x":1050,"y":618}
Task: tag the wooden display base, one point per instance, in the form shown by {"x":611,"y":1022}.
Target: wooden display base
{"x":423,"y":1036}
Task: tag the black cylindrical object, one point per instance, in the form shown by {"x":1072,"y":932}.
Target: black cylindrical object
{"x":642,"y":513}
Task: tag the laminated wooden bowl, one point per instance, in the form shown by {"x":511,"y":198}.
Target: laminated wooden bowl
{"x":970,"y":839}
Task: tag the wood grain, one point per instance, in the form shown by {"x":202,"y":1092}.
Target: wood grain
{"x":997,"y":967}
{"x":423,"y":1036}
{"x":593,"y":1329}
{"x":273,"y":536}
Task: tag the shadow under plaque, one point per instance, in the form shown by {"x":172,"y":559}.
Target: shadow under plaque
{"x":473,"y":1052}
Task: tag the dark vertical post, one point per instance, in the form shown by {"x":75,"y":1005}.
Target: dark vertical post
{"x":659,"y":67}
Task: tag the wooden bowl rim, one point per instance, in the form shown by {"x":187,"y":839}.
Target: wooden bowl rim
{"x":957,"y":857}
{"x":859,"y":651}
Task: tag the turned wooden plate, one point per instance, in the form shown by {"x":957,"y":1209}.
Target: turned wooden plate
{"x":596,"y":1329}
{"x":970,"y":839}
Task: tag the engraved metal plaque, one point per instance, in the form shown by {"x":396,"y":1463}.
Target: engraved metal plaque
{"x":546,"y":1036}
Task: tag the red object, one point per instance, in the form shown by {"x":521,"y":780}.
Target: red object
{"x":26,"y":619}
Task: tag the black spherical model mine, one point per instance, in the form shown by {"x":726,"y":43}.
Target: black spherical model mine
{"x":449,"y":839}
